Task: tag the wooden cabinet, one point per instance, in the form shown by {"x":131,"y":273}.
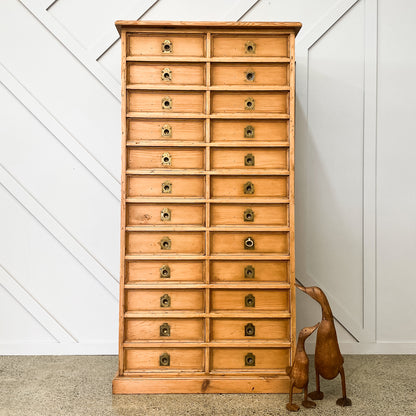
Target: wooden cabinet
{"x":207,"y":297}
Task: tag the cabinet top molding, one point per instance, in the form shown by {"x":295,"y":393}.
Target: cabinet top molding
{"x":131,"y":24}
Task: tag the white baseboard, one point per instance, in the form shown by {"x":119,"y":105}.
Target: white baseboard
{"x":111,"y":348}
{"x":104,"y":348}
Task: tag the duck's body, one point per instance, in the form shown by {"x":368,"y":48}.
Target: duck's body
{"x":328,"y":358}
{"x":299,"y":372}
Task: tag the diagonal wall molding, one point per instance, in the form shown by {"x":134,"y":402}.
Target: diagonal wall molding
{"x":111,"y":35}
{"x":34,"y":308}
{"x":59,"y":232}
{"x":83,"y":56}
{"x":239,"y":10}
{"x":59,"y":132}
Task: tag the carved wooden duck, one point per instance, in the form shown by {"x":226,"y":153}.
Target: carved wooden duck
{"x":328,"y":359}
{"x":299,"y":372}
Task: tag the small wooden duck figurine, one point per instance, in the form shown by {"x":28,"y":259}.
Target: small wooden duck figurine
{"x":328,"y":359}
{"x":299,"y":372}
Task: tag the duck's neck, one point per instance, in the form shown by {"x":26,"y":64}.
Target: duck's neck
{"x":326,"y":310}
{"x":301,"y":345}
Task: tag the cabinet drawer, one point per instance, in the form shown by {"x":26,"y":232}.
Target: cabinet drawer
{"x":249,"y":131}
{"x":166,"y":45}
{"x":250,"y":271}
{"x":165,"y":242}
{"x":165,"y":73}
{"x":164,"y":300}
{"x":164,"y":271}
{"x":249,"y":102}
{"x":164,"y":329}
{"x":250,"y":359}
{"x":250,"y":45}
{"x":254,"y":214}
{"x":248,"y":74}
{"x":249,"y":187}
{"x":166,"y":130}
{"x":250,"y":329}
{"x":165,"y":186}
{"x":165,"y":214}
{"x":165,"y":158}
{"x":165,"y":101}
{"x":164,"y":359}
{"x":249,"y":158}
{"x":250,"y":242}
{"x":249,"y":300}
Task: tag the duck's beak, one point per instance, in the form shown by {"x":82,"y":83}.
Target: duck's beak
{"x":302,"y":288}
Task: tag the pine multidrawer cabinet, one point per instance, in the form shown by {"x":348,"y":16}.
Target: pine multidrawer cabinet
{"x":207,"y":295}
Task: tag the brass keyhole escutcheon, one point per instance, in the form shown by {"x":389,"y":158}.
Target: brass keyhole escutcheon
{"x":248,"y":215}
{"x":249,"y":272}
{"x":165,"y":243}
{"x":249,"y":132}
{"x":249,"y":243}
{"x":250,"y":301}
{"x":249,"y":103}
{"x":165,"y":301}
{"x":164,"y":360}
{"x":166,"y":159}
{"x":167,"y":46}
{"x":250,"y":47}
{"x":249,"y":188}
{"x":164,"y":330}
{"x":166,"y":103}
{"x":165,"y":214}
{"x":164,"y":272}
{"x":249,"y":330}
{"x":250,"y":360}
{"x":166,"y":74}
{"x":166,"y":131}
{"x":249,"y":159}
{"x":167,"y":187}
{"x":250,"y":75}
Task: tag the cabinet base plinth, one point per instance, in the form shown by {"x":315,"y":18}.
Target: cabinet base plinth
{"x":207,"y":384}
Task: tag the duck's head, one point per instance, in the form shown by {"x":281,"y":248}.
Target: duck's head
{"x":314,"y":292}
{"x":307,"y":331}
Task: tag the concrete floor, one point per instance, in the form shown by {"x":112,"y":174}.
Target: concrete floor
{"x":81,"y":385}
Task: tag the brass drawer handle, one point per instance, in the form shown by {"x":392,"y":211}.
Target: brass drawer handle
{"x":249,"y":132}
{"x":249,"y":159}
{"x":250,"y":75}
{"x":167,"y":187}
{"x":248,"y":188}
{"x":167,"y":46}
{"x":249,"y":103}
{"x":165,"y":301}
{"x":249,"y":243}
{"x":164,"y":360}
{"x":250,"y":360}
{"x":249,"y":272}
{"x":164,"y":330}
{"x":165,"y":214}
{"x":250,"y":47}
{"x":248,"y":215}
{"x":166,"y":159}
{"x":164,"y":272}
{"x":165,"y":243}
{"x":250,"y":301}
{"x":166,"y":103}
{"x":166,"y":74}
{"x":249,"y":330}
{"x":166,"y":131}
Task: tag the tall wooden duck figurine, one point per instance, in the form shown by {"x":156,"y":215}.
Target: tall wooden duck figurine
{"x":299,"y":372}
{"x":328,"y":359}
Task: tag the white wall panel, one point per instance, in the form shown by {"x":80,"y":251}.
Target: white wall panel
{"x":60,"y":162}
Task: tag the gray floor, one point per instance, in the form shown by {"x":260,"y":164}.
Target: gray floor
{"x":377,"y":385}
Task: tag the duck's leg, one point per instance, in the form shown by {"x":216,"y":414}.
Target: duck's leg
{"x":344,"y":400}
{"x":292,"y":407}
{"x":309,"y":404}
{"x":317,"y":394}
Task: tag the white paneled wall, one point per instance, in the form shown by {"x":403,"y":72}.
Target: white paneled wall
{"x":60,"y":162}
